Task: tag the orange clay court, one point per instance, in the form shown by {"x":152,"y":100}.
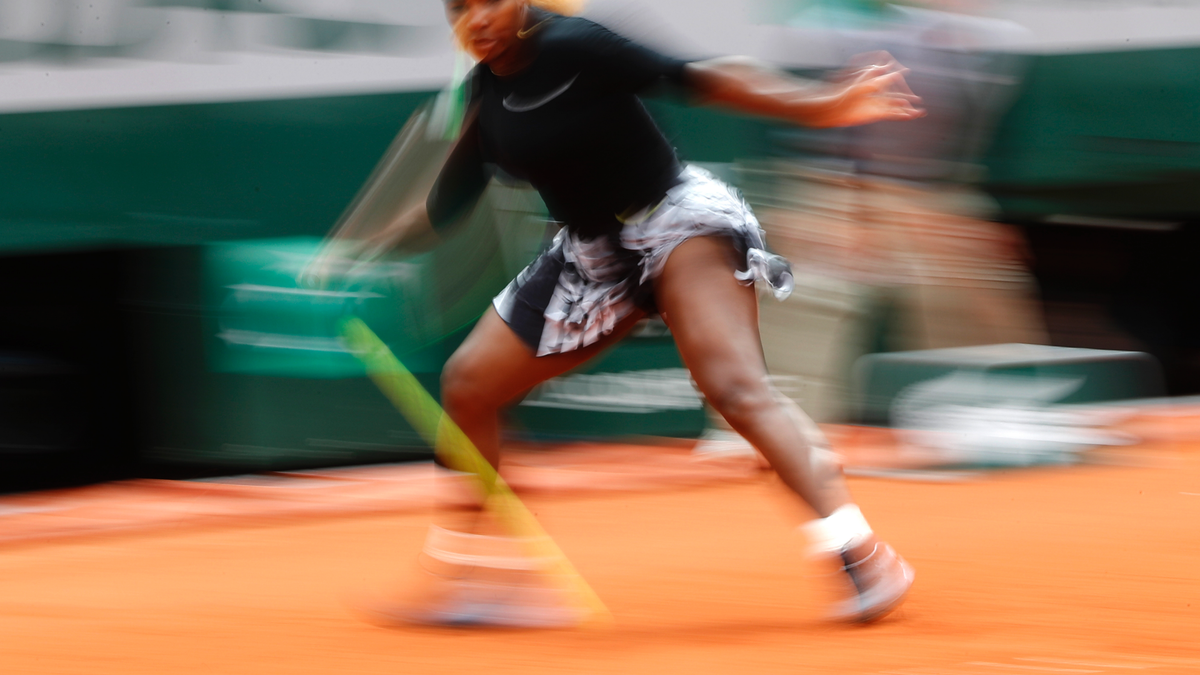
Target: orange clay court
{"x":1092,"y":568}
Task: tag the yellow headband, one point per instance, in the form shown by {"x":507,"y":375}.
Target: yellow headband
{"x":564,"y":7}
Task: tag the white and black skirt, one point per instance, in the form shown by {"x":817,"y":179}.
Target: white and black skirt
{"x":577,"y":290}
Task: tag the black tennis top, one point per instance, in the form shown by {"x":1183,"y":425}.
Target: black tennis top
{"x":570,"y":123}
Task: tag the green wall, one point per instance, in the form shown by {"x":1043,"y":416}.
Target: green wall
{"x":1102,"y":134}
{"x":185,"y":174}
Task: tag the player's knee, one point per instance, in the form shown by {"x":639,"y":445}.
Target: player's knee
{"x":460,"y":385}
{"x":739,"y":400}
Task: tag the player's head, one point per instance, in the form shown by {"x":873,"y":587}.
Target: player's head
{"x":487,"y":29}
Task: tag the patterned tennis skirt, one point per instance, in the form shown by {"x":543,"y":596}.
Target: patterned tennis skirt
{"x":577,"y":291}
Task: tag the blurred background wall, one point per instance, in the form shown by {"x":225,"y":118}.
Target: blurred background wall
{"x":169,"y":165}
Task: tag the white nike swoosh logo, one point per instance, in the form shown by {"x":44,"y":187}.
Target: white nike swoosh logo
{"x":514,"y":103}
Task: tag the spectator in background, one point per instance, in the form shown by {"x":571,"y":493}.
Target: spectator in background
{"x":883,"y":223}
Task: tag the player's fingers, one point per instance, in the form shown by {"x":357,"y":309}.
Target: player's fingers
{"x":905,"y":113}
{"x":886,"y":79}
{"x":899,"y":106}
{"x":871,"y":73}
{"x":855,"y":72}
{"x":900,"y":83}
{"x":891,"y":89}
{"x":872,"y":82}
{"x":898,"y":99}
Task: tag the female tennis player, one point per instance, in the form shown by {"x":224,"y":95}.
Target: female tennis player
{"x":554,"y":102}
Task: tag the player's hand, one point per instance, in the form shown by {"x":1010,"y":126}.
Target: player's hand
{"x":874,"y":90}
{"x":342,"y":258}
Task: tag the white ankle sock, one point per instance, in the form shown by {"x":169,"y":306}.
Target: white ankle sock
{"x":843,"y":528}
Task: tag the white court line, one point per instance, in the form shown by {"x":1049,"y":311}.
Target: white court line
{"x":1067,"y":662}
{"x":1191,"y":494}
{"x":1044,"y":669}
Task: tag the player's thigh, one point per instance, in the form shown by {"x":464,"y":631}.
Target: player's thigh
{"x":493,"y":366}
{"x":713,"y":318}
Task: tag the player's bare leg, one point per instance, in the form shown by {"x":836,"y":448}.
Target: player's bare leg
{"x":714,"y":320}
{"x":493,"y":368}
{"x":479,"y":573}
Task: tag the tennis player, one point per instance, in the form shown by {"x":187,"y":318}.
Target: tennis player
{"x":554,"y":102}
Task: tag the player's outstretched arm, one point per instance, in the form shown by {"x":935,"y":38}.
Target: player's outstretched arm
{"x":874,"y":92}
{"x":460,"y":182}
{"x":422,"y":226}
{"x":410,"y":231}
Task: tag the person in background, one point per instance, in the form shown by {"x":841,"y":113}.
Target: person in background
{"x":889,"y":234}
